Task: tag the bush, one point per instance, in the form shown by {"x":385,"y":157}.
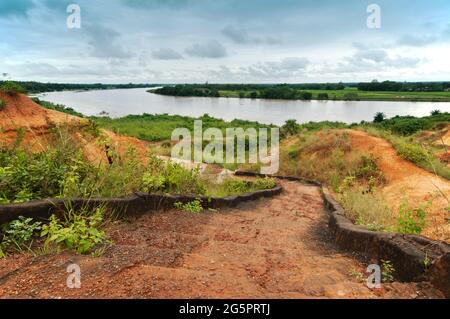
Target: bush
{"x":25,"y":176}
{"x":2,"y":105}
{"x":366,"y":209}
{"x":388,"y":270}
{"x":322,"y":96}
{"x":17,"y":234}
{"x":293,"y":152}
{"x":411,"y":221}
{"x":12,"y":88}
{"x":368,"y":169}
{"x":351,"y":96}
{"x":306,"y":95}
{"x":168,"y":177}
{"x":436,"y":112}
{"x":291,"y":127}
{"x":413,"y":152}
{"x":79,"y":231}
{"x":379,"y":117}
{"x":194,"y":207}
{"x":264,"y":183}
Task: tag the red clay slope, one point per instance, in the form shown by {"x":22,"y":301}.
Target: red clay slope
{"x":23,"y":113}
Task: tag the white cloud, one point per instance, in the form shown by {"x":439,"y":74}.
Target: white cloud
{"x":241,"y":36}
{"x":166,"y":54}
{"x":211,"y":49}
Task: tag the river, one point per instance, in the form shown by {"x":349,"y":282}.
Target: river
{"x":123,"y":102}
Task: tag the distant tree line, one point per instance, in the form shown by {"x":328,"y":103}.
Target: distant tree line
{"x":38,"y":87}
{"x":282,"y":92}
{"x":188,"y":90}
{"x":404,"y":86}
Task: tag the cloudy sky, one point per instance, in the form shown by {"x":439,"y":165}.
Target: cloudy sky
{"x":257,"y":41}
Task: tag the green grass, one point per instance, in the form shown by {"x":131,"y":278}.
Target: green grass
{"x":410,"y":149}
{"x":155,"y":128}
{"x":361,"y":95}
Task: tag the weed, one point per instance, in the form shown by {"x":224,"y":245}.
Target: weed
{"x":414,"y":153}
{"x":18,"y":234}
{"x":293,"y":152}
{"x":194,"y":207}
{"x":79,"y":231}
{"x":264,"y":183}
{"x":366,"y":209}
{"x":387,"y":272}
{"x":411,"y":221}
{"x":426,"y":262}
{"x":168,"y":177}
{"x":359,"y":276}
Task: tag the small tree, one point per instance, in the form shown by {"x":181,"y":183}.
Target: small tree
{"x":306,"y":95}
{"x":323,"y":96}
{"x":351,"y":96}
{"x":254,"y":95}
{"x":379,"y":117}
{"x":290,"y":128}
{"x":12,"y":88}
{"x":435,"y":113}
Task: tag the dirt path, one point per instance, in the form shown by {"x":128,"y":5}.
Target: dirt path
{"x":408,"y":181}
{"x":272,"y":248}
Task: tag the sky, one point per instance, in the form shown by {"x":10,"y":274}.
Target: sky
{"x":224,"y":41}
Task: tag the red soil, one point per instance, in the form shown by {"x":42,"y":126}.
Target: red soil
{"x":406,"y":181}
{"x":272,"y":248}
{"x":21,"y":112}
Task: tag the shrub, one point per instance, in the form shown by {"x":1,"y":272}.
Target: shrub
{"x":18,"y":233}
{"x":2,"y":105}
{"x":293,"y":152}
{"x":366,"y":209}
{"x":387,"y":271}
{"x":194,"y":207}
{"x":291,"y":127}
{"x":379,"y":117}
{"x":368,"y":169}
{"x":305,"y":95}
{"x":407,"y":127}
{"x":79,"y":231}
{"x":169,"y":177}
{"x":12,"y":88}
{"x":236,"y":186}
{"x":413,"y":152}
{"x":436,"y":112}
{"x":411,"y":221}
{"x":25,"y":176}
{"x":351,"y":96}
{"x":322,"y":96}
{"x":264,"y":183}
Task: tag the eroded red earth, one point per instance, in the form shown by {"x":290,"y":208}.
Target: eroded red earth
{"x":272,"y":248}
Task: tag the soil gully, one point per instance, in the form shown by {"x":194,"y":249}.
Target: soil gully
{"x":271,"y":248}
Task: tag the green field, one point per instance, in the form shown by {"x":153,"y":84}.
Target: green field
{"x":155,"y":128}
{"x":361,"y":95}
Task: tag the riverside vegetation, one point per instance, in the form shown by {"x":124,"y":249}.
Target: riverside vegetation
{"x":318,"y":151}
{"x":61,"y":170}
{"x":374,"y":91}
